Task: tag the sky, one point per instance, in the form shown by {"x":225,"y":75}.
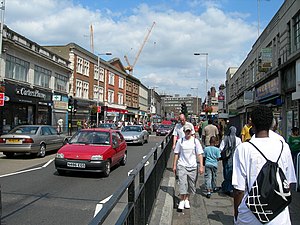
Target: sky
{"x":225,"y":29}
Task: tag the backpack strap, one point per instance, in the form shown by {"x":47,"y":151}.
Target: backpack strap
{"x":264,"y":155}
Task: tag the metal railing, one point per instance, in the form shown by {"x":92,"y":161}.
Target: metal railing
{"x":133,"y":202}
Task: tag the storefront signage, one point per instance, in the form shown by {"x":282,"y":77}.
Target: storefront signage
{"x":268,"y":89}
{"x":60,"y":105}
{"x":30,"y":93}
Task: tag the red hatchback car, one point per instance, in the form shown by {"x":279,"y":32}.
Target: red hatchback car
{"x":92,"y":150}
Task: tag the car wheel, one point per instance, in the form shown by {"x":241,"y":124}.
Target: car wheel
{"x":42,"y":151}
{"x":147,"y":139}
{"x":142,"y":142}
{"x":9,"y":154}
{"x":61,"y":172}
{"x":107,"y":169}
{"x":124,"y":159}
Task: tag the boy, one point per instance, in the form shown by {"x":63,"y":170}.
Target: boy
{"x":212,"y":154}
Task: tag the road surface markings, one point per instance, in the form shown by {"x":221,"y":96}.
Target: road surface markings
{"x":29,"y":170}
{"x":99,"y":206}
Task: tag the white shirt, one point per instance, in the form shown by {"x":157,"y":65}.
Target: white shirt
{"x":247,"y":163}
{"x":187,"y":151}
{"x":178,"y":130}
{"x":237,"y":142}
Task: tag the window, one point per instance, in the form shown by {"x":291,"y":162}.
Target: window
{"x":60,"y":82}
{"x":96,"y":72}
{"x":78,"y":88}
{"x":16,"y":68}
{"x":98,"y":92}
{"x":101,"y":94}
{"x":86,"y":68}
{"x":120,"y":98}
{"x":101,"y":74}
{"x":111,"y":78}
{"x":110,"y":96}
{"x":121,"y":82}
{"x":42,"y":76}
{"x":297,"y":31}
{"x":79,"y":67}
{"x":85,"y":93}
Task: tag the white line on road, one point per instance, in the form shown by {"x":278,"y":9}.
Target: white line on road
{"x":99,"y":206}
{"x":29,"y":170}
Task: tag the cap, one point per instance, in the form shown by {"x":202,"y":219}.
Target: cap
{"x":187,"y":126}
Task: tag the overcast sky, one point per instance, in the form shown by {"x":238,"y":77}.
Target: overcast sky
{"x":225,"y":29}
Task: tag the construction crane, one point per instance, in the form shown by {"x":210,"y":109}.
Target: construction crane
{"x":131,"y":66}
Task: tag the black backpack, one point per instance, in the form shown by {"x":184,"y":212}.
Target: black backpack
{"x":270,"y":193}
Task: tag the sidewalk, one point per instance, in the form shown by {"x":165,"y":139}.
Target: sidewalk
{"x":214,"y":211}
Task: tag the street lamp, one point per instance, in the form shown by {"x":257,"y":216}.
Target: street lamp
{"x":98,"y":84}
{"x":197,"y":100}
{"x":206,"y":67}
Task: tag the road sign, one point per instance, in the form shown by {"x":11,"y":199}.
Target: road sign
{"x":98,"y":109}
{"x":1,"y":99}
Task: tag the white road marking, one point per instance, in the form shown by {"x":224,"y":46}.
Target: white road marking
{"x":99,"y":206}
{"x":29,"y":170}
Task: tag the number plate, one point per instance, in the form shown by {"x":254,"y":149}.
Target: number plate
{"x":75,"y":164}
{"x":13,"y":141}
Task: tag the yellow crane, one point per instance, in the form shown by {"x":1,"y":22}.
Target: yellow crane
{"x":131,"y":66}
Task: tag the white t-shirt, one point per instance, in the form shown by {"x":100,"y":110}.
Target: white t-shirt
{"x":178,"y":130}
{"x":247,"y":163}
{"x":187,"y":148}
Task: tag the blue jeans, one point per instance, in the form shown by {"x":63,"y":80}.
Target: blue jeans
{"x":210,"y":176}
{"x":227,"y":174}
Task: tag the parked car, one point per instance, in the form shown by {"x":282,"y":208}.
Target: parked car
{"x":135,"y":134}
{"x":108,"y":125}
{"x":163,"y":129}
{"x":33,"y":139}
{"x":92,"y":150}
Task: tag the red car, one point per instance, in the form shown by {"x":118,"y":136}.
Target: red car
{"x":92,"y":150}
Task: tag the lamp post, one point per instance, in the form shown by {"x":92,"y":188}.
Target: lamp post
{"x":98,"y":84}
{"x":206,"y":68}
{"x":197,"y":100}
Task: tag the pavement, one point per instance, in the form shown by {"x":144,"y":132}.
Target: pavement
{"x":213,"y":211}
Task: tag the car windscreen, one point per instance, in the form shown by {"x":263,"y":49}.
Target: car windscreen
{"x":91,"y":137}
{"x":164,"y":127}
{"x":24,"y":130}
{"x":132,"y":128}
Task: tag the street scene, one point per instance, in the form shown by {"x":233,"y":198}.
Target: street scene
{"x":149,"y":112}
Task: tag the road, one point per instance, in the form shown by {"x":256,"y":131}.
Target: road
{"x":34,"y":194}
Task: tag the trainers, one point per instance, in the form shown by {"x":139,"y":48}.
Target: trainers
{"x":181,"y":205}
{"x":187,"y":204}
{"x":208,"y":195}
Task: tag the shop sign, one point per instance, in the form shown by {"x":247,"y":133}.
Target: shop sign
{"x":30,"y":93}
{"x":56,"y":97}
{"x":60,"y":105}
{"x":1,"y":99}
{"x":268,"y":89}
{"x":112,"y":113}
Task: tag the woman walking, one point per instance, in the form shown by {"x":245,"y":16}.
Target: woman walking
{"x":227,"y":148}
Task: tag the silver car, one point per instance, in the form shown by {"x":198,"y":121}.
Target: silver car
{"x":135,"y":134}
{"x":33,"y":139}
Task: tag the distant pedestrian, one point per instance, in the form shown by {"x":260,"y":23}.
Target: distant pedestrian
{"x":248,"y":162}
{"x":187,"y":150}
{"x":227,"y":148}
{"x":209,"y":131}
{"x":294,"y":143}
{"x":245,"y":134}
{"x":212,"y":156}
{"x":178,"y":132}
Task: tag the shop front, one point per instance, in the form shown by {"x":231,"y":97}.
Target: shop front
{"x":115,"y":114}
{"x":24,"y":105}
{"x":60,"y":112}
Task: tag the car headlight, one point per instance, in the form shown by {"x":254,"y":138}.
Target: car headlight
{"x":60,"y":155}
{"x":97,"y":157}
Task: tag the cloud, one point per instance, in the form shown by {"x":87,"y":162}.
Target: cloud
{"x":167,"y":60}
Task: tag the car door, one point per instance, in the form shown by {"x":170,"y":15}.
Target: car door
{"x":118,"y":150}
{"x":46,"y":138}
{"x":57,"y":139}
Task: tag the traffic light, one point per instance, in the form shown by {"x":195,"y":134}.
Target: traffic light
{"x":184,"y":109}
{"x":75,"y":104}
{"x":70,"y":103}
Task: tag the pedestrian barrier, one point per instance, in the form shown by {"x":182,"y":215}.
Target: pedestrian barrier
{"x":0,"y":205}
{"x":140,"y":190}
{"x":298,"y":172}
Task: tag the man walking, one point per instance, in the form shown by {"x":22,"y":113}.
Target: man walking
{"x":178,"y":132}
{"x":209,"y":131}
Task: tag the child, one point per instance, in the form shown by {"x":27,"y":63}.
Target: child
{"x":212,"y":155}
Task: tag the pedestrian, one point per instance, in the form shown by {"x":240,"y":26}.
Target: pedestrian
{"x":245,"y":134}
{"x":212,"y":156}
{"x":186,"y":152}
{"x":178,"y":132}
{"x":227,"y":148}
{"x":209,"y":131}
{"x":294,"y":143}
{"x":248,"y":162}
{"x":60,"y":124}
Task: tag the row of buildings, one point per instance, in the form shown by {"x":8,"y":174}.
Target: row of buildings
{"x":270,"y":74}
{"x":38,"y":81}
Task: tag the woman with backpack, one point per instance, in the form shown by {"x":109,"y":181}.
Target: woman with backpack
{"x":227,"y":148}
